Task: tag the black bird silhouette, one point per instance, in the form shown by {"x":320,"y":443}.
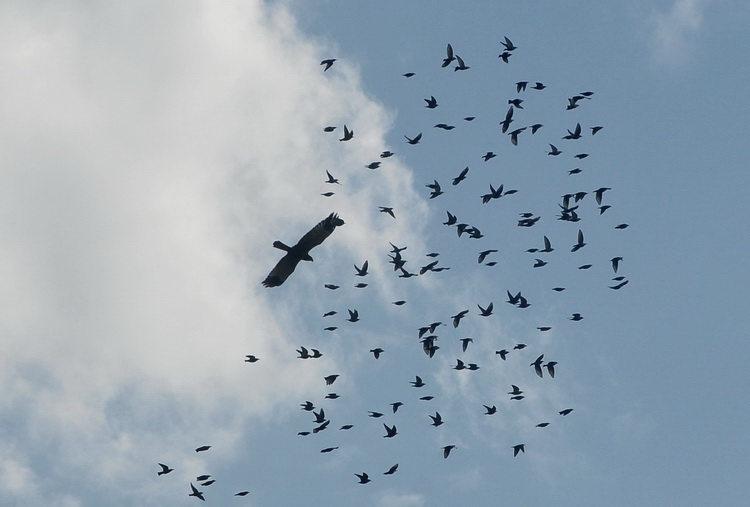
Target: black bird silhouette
{"x":242,"y":493}
{"x":251,"y":358}
{"x":580,"y":244}
{"x":619,"y":285}
{"x":490,"y":410}
{"x":391,"y":470}
{"x":465,"y":343}
{"x":554,"y":151}
{"x":566,"y":411}
{"x":542,"y":425}
{"x":331,"y":286}
{"x":328,"y":63}
{"x":535,"y":127}
{"x":503,"y":353}
{"x":437,"y":419}
{"x":508,"y":120}
{"x":196,"y":493}
{"x":457,"y":317}
{"x":331,"y":179}
{"x":576,"y":317}
{"x":353,"y":315}
{"x":431,"y":103}
{"x":537,"y":364}
{"x":346,"y":427}
{"x":308,"y":406}
{"x":599,"y":192}
{"x":328,"y":449}
{"x":348,"y":134}
{"x":615,"y":263}
{"x":363,"y":270}
{"x":409,"y":74}
{"x":374,"y":415}
{"x":373,"y":165}
{"x":395,"y":406}
{"x":447,"y":450}
{"x":203,"y":448}
{"x":449,"y":58}
{"x":596,"y":129}
{"x":418,"y":382}
{"x":521,"y":86}
{"x":330,"y":379}
{"x":519,"y":346}
{"x":551,"y":368}
{"x":461,"y":65}
{"x":164,"y":469}
{"x":329,"y":128}
{"x":622,"y":226}
{"x":515,"y":391}
{"x":488,"y":156}
{"x":459,"y":365}
{"x":486,"y":312}
{"x":505,"y":55}
{"x":386,"y":154}
{"x":538,"y":86}
{"x":390,"y":432}
{"x":363,"y":478}
{"x":301,"y":250}
{"x":539,"y":263}
{"x":576,"y":134}
{"x":451,"y":218}
{"x":483,"y":255}
{"x":376,"y":352}
{"x":508,"y":44}
{"x":414,"y":140}
{"x":436,"y":191}
{"x":519,"y":448}
{"x":462,"y":176}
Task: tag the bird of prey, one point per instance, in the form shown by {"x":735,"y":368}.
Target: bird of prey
{"x":390,"y":432}
{"x":537,"y":364}
{"x":580,"y":244}
{"x":328,"y":63}
{"x":615,"y":263}
{"x":164,"y":469}
{"x":418,"y":382}
{"x":196,"y":493}
{"x":301,"y":250}
{"x":348,"y":134}
{"x":486,"y":312}
{"x":519,"y":448}
{"x":353,"y":315}
{"x":376,"y":352}
{"x":449,"y":58}
{"x":251,"y":358}
{"x":363,"y":478}
{"x":462,"y":176}
{"x":414,"y":140}
{"x":203,"y":448}
{"x":330,"y":379}
{"x":391,"y":470}
{"x":447,"y":450}
{"x":437,"y":419}
{"x":363,"y":270}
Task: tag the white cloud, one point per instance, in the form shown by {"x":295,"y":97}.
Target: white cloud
{"x":150,"y":155}
{"x":675,"y":32}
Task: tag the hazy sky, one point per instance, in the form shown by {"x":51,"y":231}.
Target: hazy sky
{"x":151,"y":152}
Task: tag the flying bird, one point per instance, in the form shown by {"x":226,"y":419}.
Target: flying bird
{"x":462,"y":176}
{"x":331,"y":179}
{"x":486,"y":312}
{"x":537,"y":364}
{"x":363,"y":270}
{"x":580,"y":244}
{"x":196,"y":493}
{"x":437,"y":419}
{"x":376,"y":352}
{"x":447,"y":450}
{"x":251,"y":358}
{"x":390,"y":432}
{"x":348,"y":134}
{"x":363,"y":478}
{"x":203,"y":448}
{"x":301,"y":250}
{"x":519,"y":448}
{"x":391,"y":470}
{"x":483,"y":255}
{"x":551,"y":368}
{"x":414,"y":140}
{"x":457,"y":317}
{"x":353,"y":315}
{"x":461,"y":65}
{"x":490,"y":410}
{"x":330,"y":379}
{"x":449,"y":58}
{"x":418,"y":382}
{"x":328,"y":449}
{"x":164,"y":469}
{"x":566,"y":411}
{"x":328,"y":63}
{"x":615,"y":263}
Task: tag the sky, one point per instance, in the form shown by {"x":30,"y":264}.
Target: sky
{"x":152,"y":152}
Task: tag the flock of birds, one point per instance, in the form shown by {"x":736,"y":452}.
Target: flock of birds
{"x":569,"y":211}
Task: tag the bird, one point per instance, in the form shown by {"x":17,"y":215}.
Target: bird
{"x":414,"y":140}
{"x":328,"y":194}
{"x":328,"y":62}
{"x":437,"y":419}
{"x":539,"y":263}
{"x":461,"y":65}
{"x":521,"y":86}
{"x":208,"y":483}
{"x":515,"y":391}
{"x":449,"y":58}
{"x":331,"y":286}
{"x":332,"y":396}
{"x":386,"y":154}
{"x":535,"y":127}
{"x":502,"y":353}
{"x":488,"y":156}
{"x":551,"y":368}
{"x":580,"y":244}
{"x":251,"y":358}
{"x":508,"y":44}
{"x":457,"y":318}
{"x":390,"y":432}
{"x":490,"y":410}
{"x":363,"y":270}
{"x":196,"y":493}
{"x":242,"y":493}
{"x":514,"y":136}
{"x":308,"y":406}
{"x":519,"y":346}
{"x":451,"y":218}
{"x":330,"y":379}
{"x":363,"y":478}
{"x":554,"y":151}
{"x":505,"y":55}
{"x":373,"y":165}
{"x":486,"y":312}
{"x":320,"y":416}
{"x":346,"y":427}
{"x":331,"y":179}
{"x":409,"y":74}
{"x":164,"y":469}
{"x":599,"y":192}
{"x":507,"y":121}
{"x":619,"y":285}
{"x":615,"y":263}
{"x":418,"y":382}
{"x":542,"y":425}
{"x":374,"y":415}
{"x":595,"y":129}
{"x":576,"y":134}
{"x":462,"y":176}
{"x":329,"y":128}
{"x":519,"y":448}
{"x":353,"y":315}
{"x":376,"y":352}
{"x":400,"y":302}
{"x":396,"y":405}
{"x":203,"y":448}
{"x":585,"y":266}
{"x":348,"y":134}
{"x":622,"y":226}
{"x":321,"y":427}
{"x":581,"y":156}
{"x":483,"y":255}
{"x":447,"y":450}
{"x":431,"y":102}
{"x":537,"y":364}
{"x":301,"y":250}
{"x":565,"y":412}
{"x":576,"y":317}
{"x":465,"y":343}
{"x":391,"y":470}
{"x":459,"y":365}
{"x":328,"y":449}
{"x":538,"y":86}
{"x":436,"y":191}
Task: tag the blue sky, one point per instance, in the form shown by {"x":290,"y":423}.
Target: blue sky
{"x":151,"y":154}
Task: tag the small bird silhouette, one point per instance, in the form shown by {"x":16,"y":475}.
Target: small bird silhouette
{"x":328,"y":63}
{"x":391,"y":470}
{"x":196,"y":493}
{"x":164,"y":469}
{"x":203,"y":448}
{"x":447,"y":450}
{"x":363,"y":478}
{"x":519,"y":448}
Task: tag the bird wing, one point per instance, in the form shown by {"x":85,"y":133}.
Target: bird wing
{"x":319,"y":233}
{"x":281,"y":271}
